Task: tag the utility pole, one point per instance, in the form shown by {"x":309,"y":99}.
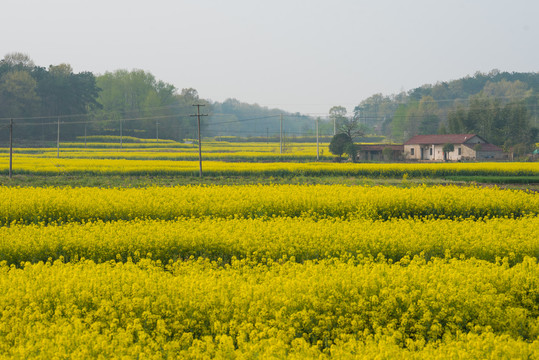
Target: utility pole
{"x":10,"y":148}
{"x":157,"y":131}
{"x":281,"y":137}
{"x":317,"y":145}
{"x":58,"y":140}
{"x":85,"y":134}
{"x":121,"y":135}
{"x":198,"y":115}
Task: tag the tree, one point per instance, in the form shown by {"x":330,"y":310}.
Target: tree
{"x":509,"y":124}
{"x":65,"y":93}
{"x":442,"y":129}
{"x":18,"y":95}
{"x":517,"y":127}
{"x":447,"y":148}
{"x":344,"y":124}
{"x":137,"y":94}
{"x":398,"y":125}
{"x":428,"y":113}
{"x":507,"y":90}
{"x":337,"y":114}
{"x":351,"y":127}
{"x":376,"y":109}
{"x":456,"y":119}
{"x":15,"y":59}
{"x":351,"y":150}
{"x":339,"y":143}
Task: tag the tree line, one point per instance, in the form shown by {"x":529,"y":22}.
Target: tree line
{"x":500,"y":106}
{"x":134,"y":103}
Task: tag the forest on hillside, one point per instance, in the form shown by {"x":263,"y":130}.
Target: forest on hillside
{"x":502,"y":107}
{"x":133,"y":103}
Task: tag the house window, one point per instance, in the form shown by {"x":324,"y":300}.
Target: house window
{"x":460,"y":151}
{"x":430,"y":152}
{"x":412,"y":151}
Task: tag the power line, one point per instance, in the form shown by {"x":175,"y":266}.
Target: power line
{"x":288,"y":114}
{"x":108,"y":120}
{"x":144,"y":118}
{"x":244,"y":120}
{"x":112,"y":112}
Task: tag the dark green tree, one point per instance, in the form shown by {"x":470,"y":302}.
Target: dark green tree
{"x":351,"y":150}
{"x":18,"y":97}
{"x":398,"y":125}
{"x":65,"y":93}
{"x":339,"y":143}
{"x":456,"y":119}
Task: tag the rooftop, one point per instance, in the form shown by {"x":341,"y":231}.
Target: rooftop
{"x":440,"y":139}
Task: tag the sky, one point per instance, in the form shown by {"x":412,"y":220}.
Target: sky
{"x":296,"y":55}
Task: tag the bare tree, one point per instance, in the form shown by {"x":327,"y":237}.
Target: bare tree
{"x":351,"y":127}
{"x":18,"y":59}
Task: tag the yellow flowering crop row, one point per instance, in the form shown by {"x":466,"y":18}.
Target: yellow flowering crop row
{"x":200,"y":309}
{"x":35,"y":164}
{"x":215,"y":150}
{"x":60,"y":205}
{"x":284,"y":271}
{"x":183,"y":155}
{"x":277,"y":239}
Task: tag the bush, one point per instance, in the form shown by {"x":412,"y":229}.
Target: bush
{"x":338,"y":144}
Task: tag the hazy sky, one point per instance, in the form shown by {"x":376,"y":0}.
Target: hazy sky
{"x":297,"y":55}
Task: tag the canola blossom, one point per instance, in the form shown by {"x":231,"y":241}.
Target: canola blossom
{"x":167,"y":150}
{"x":269,"y":271}
{"x":198,"y":308}
{"x":278,"y":238}
{"x":124,"y":165}
{"x":60,"y":205}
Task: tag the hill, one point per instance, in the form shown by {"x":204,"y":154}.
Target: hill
{"x":503,"y":107}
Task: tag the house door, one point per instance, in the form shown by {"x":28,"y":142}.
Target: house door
{"x":422,"y":153}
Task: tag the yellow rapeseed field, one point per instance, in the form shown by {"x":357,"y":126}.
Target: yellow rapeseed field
{"x":197,"y":308}
{"x":59,"y":205}
{"x":269,"y":271}
{"x":277,"y":238}
{"x":130,"y":164}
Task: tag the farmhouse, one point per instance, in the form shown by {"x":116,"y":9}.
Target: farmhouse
{"x":465,"y":147}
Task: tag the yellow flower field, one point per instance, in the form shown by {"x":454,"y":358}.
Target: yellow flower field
{"x":167,"y":150}
{"x":59,"y":205}
{"x":278,"y":238}
{"x":269,"y":271}
{"x":39,"y":165}
{"x":196,"y":308}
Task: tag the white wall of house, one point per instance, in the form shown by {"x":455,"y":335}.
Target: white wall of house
{"x":438,"y":152}
{"x":467,"y":153}
{"x":430,"y":152}
{"x":455,"y":155}
{"x":411,"y":152}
